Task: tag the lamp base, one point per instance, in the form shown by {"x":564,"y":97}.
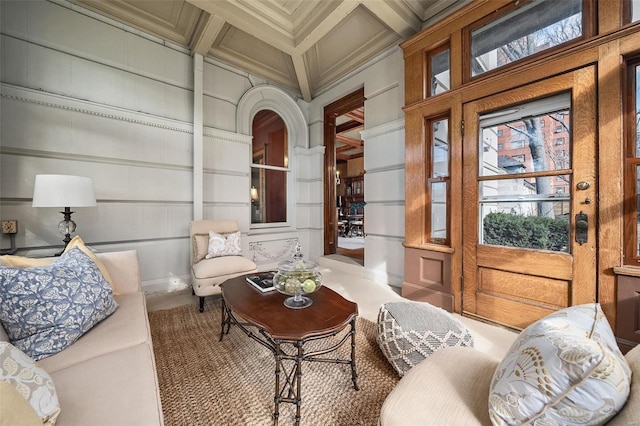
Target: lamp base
{"x":66,"y":227}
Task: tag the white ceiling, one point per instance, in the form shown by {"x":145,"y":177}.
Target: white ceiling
{"x":301,"y":45}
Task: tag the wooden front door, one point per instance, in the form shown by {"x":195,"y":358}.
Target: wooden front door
{"x":530,"y":200}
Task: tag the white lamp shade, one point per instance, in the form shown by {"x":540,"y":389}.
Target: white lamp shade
{"x":63,"y":191}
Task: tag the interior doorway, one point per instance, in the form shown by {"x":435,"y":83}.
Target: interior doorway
{"x":344,"y":221}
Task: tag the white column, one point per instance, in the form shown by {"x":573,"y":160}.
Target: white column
{"x":198,"y":127}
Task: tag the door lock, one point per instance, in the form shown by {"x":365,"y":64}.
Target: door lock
{"x":582,"y":228}
{"x":583,"y":185}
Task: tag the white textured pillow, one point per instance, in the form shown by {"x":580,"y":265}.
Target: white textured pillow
{"x":32,"y":382}
{"x":220,"y":245}
{"x":563,"y":369}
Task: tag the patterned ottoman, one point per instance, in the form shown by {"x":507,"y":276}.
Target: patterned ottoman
{"x":408,"y":332}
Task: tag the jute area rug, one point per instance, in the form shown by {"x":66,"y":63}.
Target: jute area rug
{"x":207,"y":382}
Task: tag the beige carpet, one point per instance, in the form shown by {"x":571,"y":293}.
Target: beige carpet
{"x":207,"y":382}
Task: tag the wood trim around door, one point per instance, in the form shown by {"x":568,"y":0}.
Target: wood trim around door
{"x":331,"y":112}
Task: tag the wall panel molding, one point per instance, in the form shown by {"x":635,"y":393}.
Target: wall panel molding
{"x":383,"y":129}
{"x":52,"y":100}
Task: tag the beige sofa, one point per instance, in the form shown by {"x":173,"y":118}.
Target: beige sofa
{"x":451,"y":387}
{"x":108,"y":376}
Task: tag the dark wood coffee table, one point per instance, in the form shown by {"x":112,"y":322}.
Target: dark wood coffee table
{"x":264,"y":318}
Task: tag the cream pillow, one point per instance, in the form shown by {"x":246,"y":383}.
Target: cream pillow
{"x":220,"y":245}
{"x":32,"y":382}
{"x":25,"y":262}
{"x":77,"y":242}
{"x":14,"y":409}
{"x":565,"y":369}
{"x":200,"y":247}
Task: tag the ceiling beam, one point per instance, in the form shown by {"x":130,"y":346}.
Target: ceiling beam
{"x":258,"y":27}
{"x":396,"y":15}
{"x":356,"y":115}
{"x":327,"y":24}
{"x":300,"y":69}
{"x":356,"y":143}
{"x":348,"y":125}
{"x":208,"y":28}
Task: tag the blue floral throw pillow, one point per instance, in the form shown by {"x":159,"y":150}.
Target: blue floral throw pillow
{"x":45,"y":309}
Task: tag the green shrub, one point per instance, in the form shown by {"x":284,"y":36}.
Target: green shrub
{"x":511,"y":230}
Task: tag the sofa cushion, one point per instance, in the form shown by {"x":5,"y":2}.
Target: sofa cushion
{"x":223,"y":245}
{"x":118,"y":388}
{"x":126,"y":327}
{"x":630,"y":413}
{"x":32,"y":382}
{"x":408,"y":332}
{"x":448,"y":388}
{"x":45,"y":309}
{"x":220,"y":266}
{"x":563,"y":369}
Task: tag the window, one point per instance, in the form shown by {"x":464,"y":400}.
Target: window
{"x":533,"y":27}
{"x":269,"y":169}
{"x":438,"y":180}
{"x":500,"y":132}
{"x":632,"y":169}
{"x":559,"y":128}
{"x":500,"y":146}
{"x":439,"y":70}
{"x":559,"y":141}
{"x":517,"y":144}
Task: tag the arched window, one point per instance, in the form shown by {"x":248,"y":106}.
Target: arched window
{"x":269,"y":168}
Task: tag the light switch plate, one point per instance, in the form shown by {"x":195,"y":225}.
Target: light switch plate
{"x":9,"y":226}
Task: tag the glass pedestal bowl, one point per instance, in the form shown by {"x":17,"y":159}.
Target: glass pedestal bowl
{"x":296,"y":278}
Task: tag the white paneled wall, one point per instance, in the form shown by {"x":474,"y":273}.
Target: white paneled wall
{"x":383,"y":82}
{"x":85,"y":95}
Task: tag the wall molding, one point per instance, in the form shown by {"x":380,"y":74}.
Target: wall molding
{"x":383,"y":129}
{"x":67,"y":103}
{"x":223,"y":135}
{"x":70,"y":156}
{"x":390,"y":168}
{"x":309,"y":152}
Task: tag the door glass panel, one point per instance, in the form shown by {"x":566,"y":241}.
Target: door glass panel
{"x":534,"y":27}
{"x":635,"y":10}
{"x":523,"y":200}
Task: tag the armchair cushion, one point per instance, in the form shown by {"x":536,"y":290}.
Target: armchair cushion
{"x":220,"y":266}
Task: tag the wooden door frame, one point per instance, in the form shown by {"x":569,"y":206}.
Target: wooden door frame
{"x":350,"y":102}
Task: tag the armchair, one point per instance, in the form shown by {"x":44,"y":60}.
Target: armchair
{"x":208,"y":274}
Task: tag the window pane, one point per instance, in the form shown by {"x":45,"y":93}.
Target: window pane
{"x":635,"y":10}
{"x":439,"y":211}
{"x":440,"y":73}
{"x":637,"y":209}
{"x":269,"y":169}
{"x":527,"y":145}
{"x":514,"y":215}
{"x":440,"y":148}
{"x":637,"y":118}
{"x":532,"y":28}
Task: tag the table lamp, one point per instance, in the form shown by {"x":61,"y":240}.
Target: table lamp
{"x":64,"y":191}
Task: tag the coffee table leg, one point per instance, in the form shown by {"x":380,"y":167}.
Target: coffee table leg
{"x":292,"y":385}
{"x":277,"y":398}
{"x":354,"y":374}
{"x":225,"y":320}
{"x":298,"y":394}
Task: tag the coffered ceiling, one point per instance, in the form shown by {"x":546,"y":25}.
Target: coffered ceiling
{"x":301,"y":45}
